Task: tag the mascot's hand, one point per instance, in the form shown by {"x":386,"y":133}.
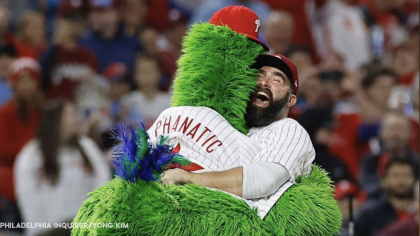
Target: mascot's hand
{"x":175,"y":176}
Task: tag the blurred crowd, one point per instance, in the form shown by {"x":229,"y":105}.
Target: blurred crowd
{"x":71,"y":69}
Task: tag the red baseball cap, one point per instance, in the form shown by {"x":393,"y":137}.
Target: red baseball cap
{"x":26,"y":66}
{"x":241,"y":20}
{"x":282,"y":63}
{"x":116,"y":72}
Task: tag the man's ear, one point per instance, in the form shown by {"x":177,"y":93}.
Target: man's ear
{"x":292,"y":100}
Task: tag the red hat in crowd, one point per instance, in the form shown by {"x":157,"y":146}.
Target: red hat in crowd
{"x":26,"y":66}
{"x":116,"y":72}
{"x":241,"y":20}
{"x":343,"y":189}
{"x":282,"y":63}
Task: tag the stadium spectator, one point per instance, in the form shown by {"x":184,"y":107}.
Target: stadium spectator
{"x":407,"y":227}
{"x":30,"y":40}
{"x":186,"y":6}
{"x":318,"y":122}
{"x":279,"y":30}
{"x":413,"y":29}
{"x":55,"y":171}
{"x":357,"y":123}
{"x":147,"y":101}
{"x":6,"y":36}
{"x":405,"y":63}
{"x":156,"y":10}
{"x":175,"y":32}
{"x":345,"y":33}
{"x":118,"y":76}
{"x":303,"y":12}
{"x":377,"y":87}
{"x":322,"y":99}
{"x":398,"y":183}
{"x":66,"y":64}
{"x":107,"y":38}
{"x":394,"y":142}
{"x":19,"y":119}
{"x":134,"y":16}
{"x":167,"y":62}
{"x":101,"y":110}
{"x":388,"y":15}
{"x":301,"y":57}
{"x":7,"y":55}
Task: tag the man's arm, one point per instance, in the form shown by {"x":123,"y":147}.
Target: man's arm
{"x":229,"y":180}
{"x":257,"y":180}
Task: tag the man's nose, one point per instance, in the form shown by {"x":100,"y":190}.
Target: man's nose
{"x":264,"y":82}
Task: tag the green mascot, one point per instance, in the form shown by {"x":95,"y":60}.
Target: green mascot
{"x":204,"y":130}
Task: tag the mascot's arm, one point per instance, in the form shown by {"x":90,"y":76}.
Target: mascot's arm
{"x":257,"y":180}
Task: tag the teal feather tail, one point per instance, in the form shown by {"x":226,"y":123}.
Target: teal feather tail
{"x":136,"y":158}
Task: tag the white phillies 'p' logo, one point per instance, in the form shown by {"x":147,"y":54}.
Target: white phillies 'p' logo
{"x":257,"y":23}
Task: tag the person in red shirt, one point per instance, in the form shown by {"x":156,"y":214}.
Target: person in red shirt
{"x":67,"y":64}
{"x":19,"y":119}
{"x":30,"y":40}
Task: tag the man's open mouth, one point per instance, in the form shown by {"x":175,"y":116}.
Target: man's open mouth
{"x":261,"y":99}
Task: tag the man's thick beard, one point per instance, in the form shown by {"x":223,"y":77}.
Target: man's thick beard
{"x":257,"y":116}
{"x":409,"y":194}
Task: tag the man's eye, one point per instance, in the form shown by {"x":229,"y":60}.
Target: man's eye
{"x":259,"y":77}
{"x":277,"y":80}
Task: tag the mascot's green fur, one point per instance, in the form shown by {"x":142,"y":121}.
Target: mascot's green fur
{"x":214,"y":71}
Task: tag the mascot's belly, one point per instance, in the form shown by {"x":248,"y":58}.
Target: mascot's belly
{"x":150,"y":208}
{"x":204,"y":137}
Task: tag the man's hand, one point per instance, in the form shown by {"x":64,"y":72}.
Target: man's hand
{"x":175,"y":176}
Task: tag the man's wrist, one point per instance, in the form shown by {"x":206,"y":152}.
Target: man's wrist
{"x":186,"y":177}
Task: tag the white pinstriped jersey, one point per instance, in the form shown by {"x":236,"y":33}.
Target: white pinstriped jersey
{"x":285,"y":142}
{"x":207,"y":139}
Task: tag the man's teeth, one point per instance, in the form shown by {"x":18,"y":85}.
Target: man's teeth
{"x":263,"y":94}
